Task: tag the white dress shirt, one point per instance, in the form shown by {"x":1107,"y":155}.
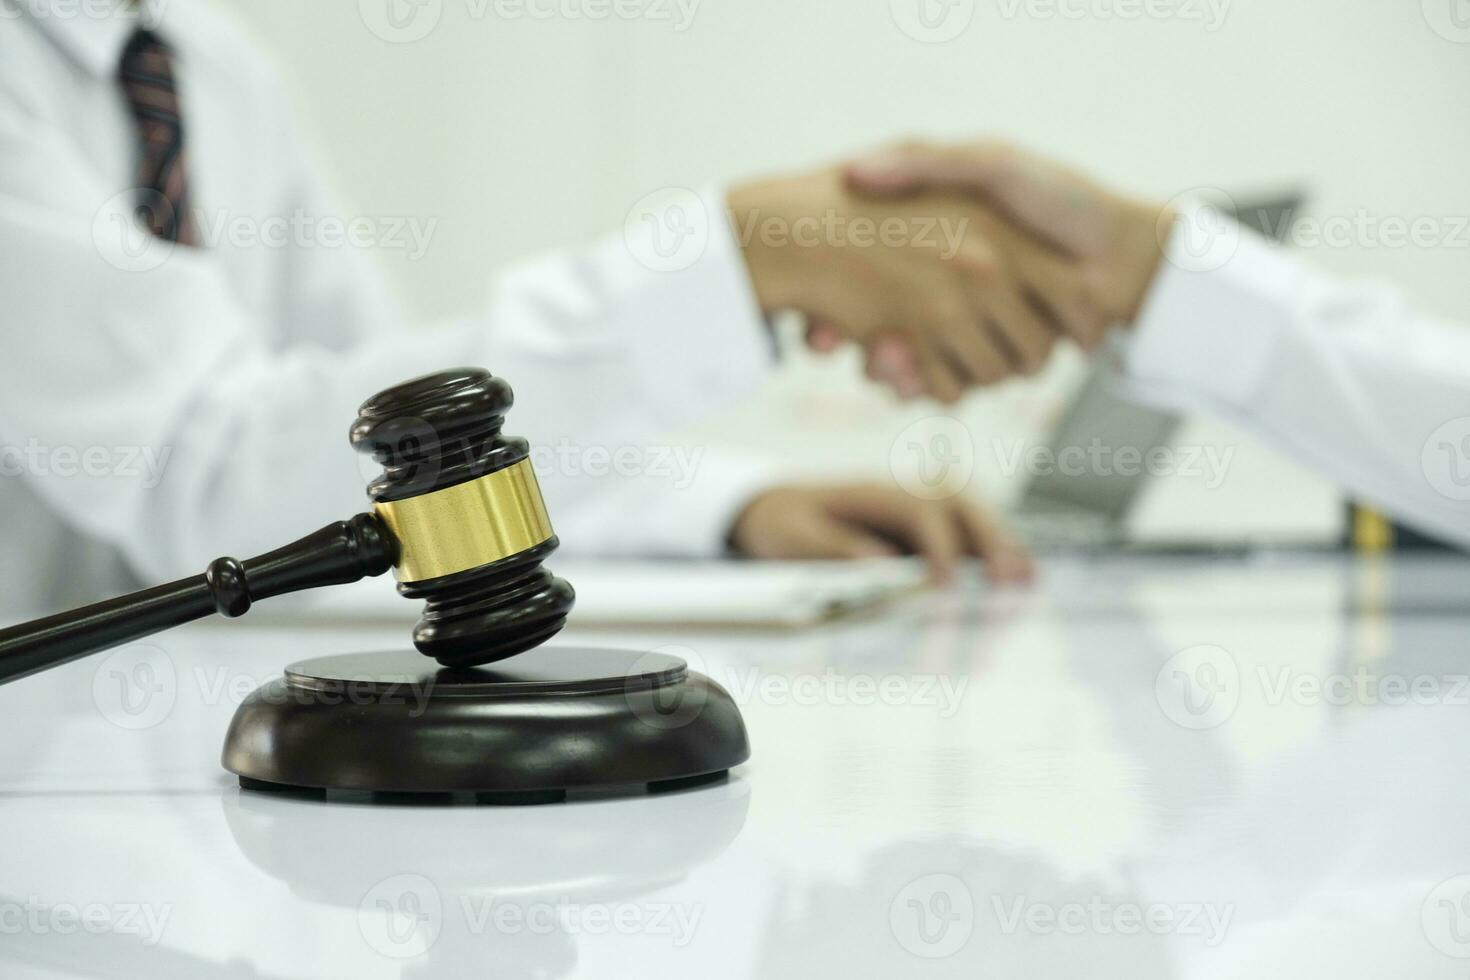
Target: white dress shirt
{"x":1347,"y":378}
{"x":156,"y":413}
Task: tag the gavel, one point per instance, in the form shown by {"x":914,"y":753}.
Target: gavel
{"x":457,"y":514}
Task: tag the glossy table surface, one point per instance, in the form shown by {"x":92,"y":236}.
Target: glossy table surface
{"x":1141,"y":767}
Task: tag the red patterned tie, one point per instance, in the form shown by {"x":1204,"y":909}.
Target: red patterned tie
{"x":147,"y":78}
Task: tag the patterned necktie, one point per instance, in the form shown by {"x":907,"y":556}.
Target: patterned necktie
{"x":147,"y":78}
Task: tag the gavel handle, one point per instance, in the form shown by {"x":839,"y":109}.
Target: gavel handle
{"x":339,"y":553}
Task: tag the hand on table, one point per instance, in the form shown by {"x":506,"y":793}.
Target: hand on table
{"x":839,"y":521}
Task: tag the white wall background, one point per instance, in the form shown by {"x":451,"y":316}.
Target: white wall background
{"x":523,"y":133}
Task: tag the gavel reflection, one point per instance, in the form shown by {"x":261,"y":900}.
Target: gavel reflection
{"x":457,"y":514}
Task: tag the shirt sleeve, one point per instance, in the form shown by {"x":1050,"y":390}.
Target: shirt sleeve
{"x":239,"y":441}
{"x":605,"y":335}
{"x":1344,"y":377}
{"x":683,"y":504}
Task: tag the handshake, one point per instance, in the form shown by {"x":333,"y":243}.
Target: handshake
{"x":951,"y":266}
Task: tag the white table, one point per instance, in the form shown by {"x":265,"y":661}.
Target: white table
{"x":1142,"y":768}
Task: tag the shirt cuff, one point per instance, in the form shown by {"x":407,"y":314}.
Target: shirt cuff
{"x":684,"y":509}
{"x":1212,"y":319}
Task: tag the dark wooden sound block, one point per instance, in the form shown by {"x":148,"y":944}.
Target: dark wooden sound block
{"x":525,"y":730}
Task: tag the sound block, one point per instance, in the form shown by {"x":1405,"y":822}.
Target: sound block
{"x":525,"y":730}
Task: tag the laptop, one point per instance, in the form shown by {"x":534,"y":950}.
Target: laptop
{"x":1074,"y":505}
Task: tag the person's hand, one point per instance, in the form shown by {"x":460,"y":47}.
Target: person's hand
{"x":1116,"y":240}
{"x":969,"y":299}
{"x":870,"y":520}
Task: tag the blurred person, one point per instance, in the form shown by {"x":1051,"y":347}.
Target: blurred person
{"x":169,"y":394}
{"x":1346,"y":377}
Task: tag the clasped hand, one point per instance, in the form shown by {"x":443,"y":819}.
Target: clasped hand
{"x":951,"y":266}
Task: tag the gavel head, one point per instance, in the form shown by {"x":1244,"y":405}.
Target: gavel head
{"x":464,"y":509}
